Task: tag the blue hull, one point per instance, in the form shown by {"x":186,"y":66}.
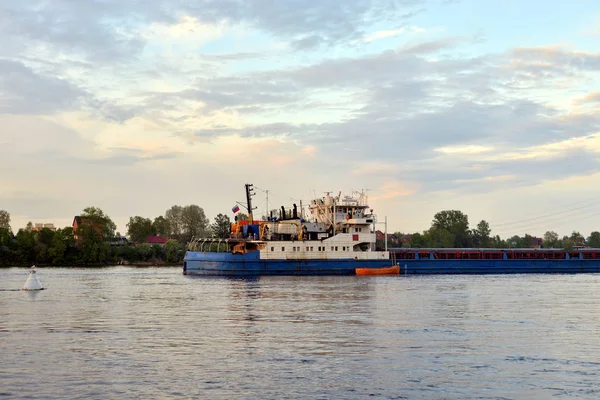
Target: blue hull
{"x":227,"y":264}
{"x":428,"y":267}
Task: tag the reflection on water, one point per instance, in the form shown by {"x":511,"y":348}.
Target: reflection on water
{"x":152,"y":332}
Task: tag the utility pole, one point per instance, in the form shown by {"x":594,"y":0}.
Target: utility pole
{"x":385,"y":237}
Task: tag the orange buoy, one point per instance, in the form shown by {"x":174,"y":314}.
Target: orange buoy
{"x":395,"y":270}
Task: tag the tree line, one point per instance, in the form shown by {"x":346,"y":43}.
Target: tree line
{"x":96,"y":242}
{"x":450,"y":229}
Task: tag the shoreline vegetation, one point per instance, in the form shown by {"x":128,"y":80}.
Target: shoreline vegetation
{"x":93,"y":241}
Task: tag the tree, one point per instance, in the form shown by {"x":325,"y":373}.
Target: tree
{"x":499,"y":243}
{"x":93,"y":218}
{"x":550,"y":240}
{"x":456,"y":223}
{"x":139,"y":228}
{"x":172,"y":251}
{"x":221,"y":228}
{"x":193,"y":222}
{"x":61,"y":243}
{"x":567,"y":243}
{"x":161,"y":226}
{"x":577,"y":239}
{"x":6,"y":244}
{"x":173,"y":216}
{"x":241,"y":216}
{"x":481,"y":234}
{"x":417,"y":240}
{"x":94,"y":231}
{"x":594,"y":240}
{"x":5,"y":220}
{"x":440,"y":237}
{"x":25,"y":247}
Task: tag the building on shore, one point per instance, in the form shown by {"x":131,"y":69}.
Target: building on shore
{"x":39,"y":226}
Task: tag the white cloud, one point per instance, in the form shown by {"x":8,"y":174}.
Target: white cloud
{"x":466,"y":149}
{"x":377,"y":35}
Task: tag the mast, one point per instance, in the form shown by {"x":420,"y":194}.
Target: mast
{"x":249,"y":194}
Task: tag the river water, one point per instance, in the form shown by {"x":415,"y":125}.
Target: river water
{"x":120,"y":332}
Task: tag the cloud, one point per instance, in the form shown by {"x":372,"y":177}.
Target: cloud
{"x":23,"y":91}
{"x":590,"y":98}
{"x":179,"y":94}
{"x":468,"y":149}
{"x":114,"y":30}
{"x":383,"y":34}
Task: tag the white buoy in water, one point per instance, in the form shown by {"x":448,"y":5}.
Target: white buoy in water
{"x":32,"y":282}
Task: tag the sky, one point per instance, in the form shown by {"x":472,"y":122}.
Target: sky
{"x":488,"y":107}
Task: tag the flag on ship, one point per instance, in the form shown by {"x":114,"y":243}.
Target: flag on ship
{"x":235,"y":209}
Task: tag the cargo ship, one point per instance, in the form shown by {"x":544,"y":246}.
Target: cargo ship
{"x":423,"y":261}
{"x":336,"y":238}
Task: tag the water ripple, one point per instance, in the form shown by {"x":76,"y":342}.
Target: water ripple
{"x":152,"y":332}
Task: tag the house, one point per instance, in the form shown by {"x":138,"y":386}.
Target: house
{"x":40,"y":226}
{"x":80,"y":222}
{"x":406,"y":239}
{"x":119,"y":241}
{"x":391,"y":238}
{"x":536,"y":243}
{"x":156,"y":240}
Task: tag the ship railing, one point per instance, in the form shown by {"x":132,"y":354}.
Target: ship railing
{"x":206,"y":244}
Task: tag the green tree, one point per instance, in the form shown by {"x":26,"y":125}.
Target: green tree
{"x":499,"y":243}
{"x":139,"y":228}
{"x":161,"y":226}
{"x":594,"y":240}
{"x":6,"y":245}
{"x":456,"y":223}
{"x":144,"y":251}
{"x":481,"y":234}
{"x":94,"y":219}
{"x":61,"y":243}
{"x":240,"y":216}
{"x":25,"y":247}
{"x":567,"y":243}
{"x":221,"y":228}
{"x":550,"y":240}
{"x":5,"y":220}
{"x":194,"y":222}
{"x":440,"y":237}
{"x":173,"y":251}
{"x":577,"y":239}
{"x":174,"y":218}
{"x":417,"y":240}
{"x":44,"y":239}
{"x":94,"y":232}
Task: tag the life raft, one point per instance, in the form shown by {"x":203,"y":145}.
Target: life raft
{"x":395,"y":270}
